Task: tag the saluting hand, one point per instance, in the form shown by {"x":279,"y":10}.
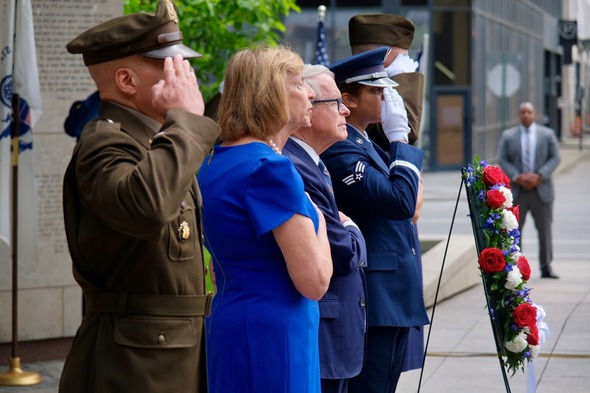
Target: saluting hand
{"x":394,"y":118}
{"x":179,"y":88}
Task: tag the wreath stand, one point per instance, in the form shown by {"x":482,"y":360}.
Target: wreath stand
{"x":496,"y":318}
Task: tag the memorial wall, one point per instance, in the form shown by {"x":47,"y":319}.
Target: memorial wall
{"x":50,"y":301}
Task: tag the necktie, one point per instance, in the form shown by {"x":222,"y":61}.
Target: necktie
{"x":526,"y":155}
{"x":325,"y":173}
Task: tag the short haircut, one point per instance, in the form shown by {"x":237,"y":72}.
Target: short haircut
{"x":254,"y":100}
{"x":309,"y":74}
{"x":526,"y":104}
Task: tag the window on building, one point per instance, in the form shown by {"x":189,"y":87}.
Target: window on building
{"x":452,"y":52}
{"x":339,"y":3}
{"x":452,"y":3}
{"x":414,"y":3}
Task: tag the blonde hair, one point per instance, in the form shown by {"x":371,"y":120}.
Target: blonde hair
{"x":254,"y":100}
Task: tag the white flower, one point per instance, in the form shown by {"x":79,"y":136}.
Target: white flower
{"x":507,"y":194}
{"x":535,"y":349}
{"x":514,"y":278}
{"x":509,"y":221}
{"x":518,"y":343}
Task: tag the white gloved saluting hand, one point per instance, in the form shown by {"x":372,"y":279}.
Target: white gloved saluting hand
{"x":394,"y":118}
{"x":401,"y":63}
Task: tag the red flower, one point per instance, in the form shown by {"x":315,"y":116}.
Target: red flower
{"x":495,"y":199}
{"x":533,"y":336}
{"x":525,"y":314}
{"x":492,"y":260}
{"x":515,"y":209}
{"x":494,"y":175}
{"x":524,"y":267}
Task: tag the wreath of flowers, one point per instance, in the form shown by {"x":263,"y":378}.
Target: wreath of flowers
{"x":506,"y":269}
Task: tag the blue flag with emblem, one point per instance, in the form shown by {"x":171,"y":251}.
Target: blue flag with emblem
{"x":18,"y":75}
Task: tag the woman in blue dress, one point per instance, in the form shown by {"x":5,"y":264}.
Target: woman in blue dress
{"x":269,"y":247}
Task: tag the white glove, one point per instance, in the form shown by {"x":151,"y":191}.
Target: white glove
{"x":401,"y":64}
{"x":394,"y":117}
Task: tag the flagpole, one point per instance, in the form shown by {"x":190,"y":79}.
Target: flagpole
{"x":424,"y":69}
{"x":321,"y":13}
{"x":321,"y":51}
{"x":15,"y":375}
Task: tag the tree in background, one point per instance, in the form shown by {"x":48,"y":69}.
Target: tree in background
{"x":219,"y":28}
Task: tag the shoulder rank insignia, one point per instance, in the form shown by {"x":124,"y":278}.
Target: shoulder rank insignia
{"x":357,"y":176}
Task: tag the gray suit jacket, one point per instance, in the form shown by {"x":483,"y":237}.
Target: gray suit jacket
{"x":546,"y":159}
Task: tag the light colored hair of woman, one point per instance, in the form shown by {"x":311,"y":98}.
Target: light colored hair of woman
{"x":254,"y":101}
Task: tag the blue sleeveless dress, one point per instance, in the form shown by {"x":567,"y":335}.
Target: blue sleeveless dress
{"x":262,"y":334}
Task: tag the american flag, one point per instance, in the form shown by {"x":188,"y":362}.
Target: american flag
{"x":321,"y":51}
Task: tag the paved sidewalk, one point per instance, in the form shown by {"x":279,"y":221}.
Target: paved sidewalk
{"x":461,"y":354}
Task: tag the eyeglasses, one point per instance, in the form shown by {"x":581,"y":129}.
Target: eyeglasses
{"x":338,"y":102}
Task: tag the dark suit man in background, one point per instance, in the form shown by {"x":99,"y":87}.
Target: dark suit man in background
{"x":132,"y":212}
{"x":342,"y":309}
{"x":528,"y":154}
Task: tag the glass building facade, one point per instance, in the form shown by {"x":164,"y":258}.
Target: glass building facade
{"x":483,"y":58}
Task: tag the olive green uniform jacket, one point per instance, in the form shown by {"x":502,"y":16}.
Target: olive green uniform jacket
{"x":132,"y":218}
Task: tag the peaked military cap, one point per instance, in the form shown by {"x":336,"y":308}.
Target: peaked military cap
{"x":150,"y":35}
{"x":365,"y":68}
{"x":383,"y":29}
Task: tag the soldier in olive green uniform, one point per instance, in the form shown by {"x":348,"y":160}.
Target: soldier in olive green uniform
{"x":132,"y":212}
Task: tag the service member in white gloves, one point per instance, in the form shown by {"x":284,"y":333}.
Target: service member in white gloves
{"x":379,"y":193}
{"x":367,"y":32}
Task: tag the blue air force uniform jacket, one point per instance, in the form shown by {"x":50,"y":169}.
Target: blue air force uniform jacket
{"x":342,"y":308}
{"x":379,"y":194}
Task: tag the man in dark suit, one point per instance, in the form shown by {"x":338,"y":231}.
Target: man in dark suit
{"x":132,"y":212}
{"x":342,"y":309}
{"x":528,"y":154}
{"x":380,"y":192}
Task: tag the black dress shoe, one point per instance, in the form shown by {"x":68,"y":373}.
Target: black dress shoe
{"x":549,"y":275}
